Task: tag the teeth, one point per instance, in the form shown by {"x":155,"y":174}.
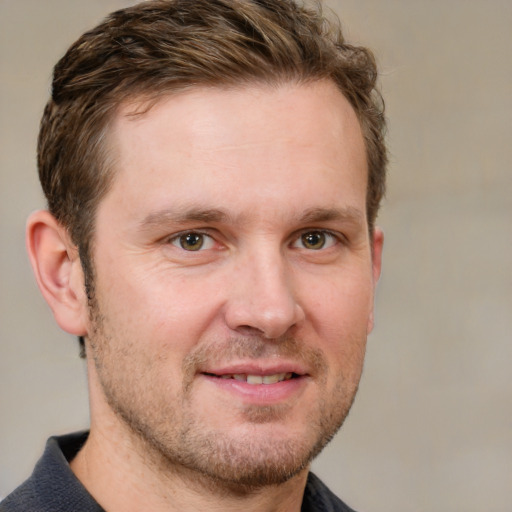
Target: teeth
{"x":254,"y":379}
{"x":259,"y":379}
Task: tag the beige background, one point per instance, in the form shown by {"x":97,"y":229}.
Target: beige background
{"x":432,"y":426}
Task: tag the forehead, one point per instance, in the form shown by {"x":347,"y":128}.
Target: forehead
{"x":248,"y":114}
{"x":216,"y":144}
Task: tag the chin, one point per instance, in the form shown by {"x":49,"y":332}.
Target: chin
{"x":251,"y":458}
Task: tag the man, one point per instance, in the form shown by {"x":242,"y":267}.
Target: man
{"x":213,"y":171}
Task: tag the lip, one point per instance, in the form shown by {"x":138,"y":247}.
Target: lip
{"x":258,"y":394}
{"x":257,"y":368}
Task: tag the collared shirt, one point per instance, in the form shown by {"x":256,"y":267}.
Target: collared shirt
{"x":53,"y":487}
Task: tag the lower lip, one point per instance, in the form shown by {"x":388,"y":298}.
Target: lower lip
{"x":260,"y":393}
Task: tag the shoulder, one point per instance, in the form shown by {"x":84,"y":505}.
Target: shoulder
{"x":19,"y":500}
{"x":52,"y":487}
{"x":319,"y":498}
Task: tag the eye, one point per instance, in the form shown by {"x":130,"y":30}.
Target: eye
{"x":315,"y":240}
{"x":193,"y":241}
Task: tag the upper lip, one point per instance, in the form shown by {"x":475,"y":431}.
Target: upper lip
{"x":256,"y":368}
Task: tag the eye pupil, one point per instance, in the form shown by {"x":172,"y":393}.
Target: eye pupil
{"x":191,"y":241}
{"x":313,"y":240}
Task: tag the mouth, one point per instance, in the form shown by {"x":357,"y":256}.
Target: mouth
{"x":273,"y":378}
{"x":258,"y":384}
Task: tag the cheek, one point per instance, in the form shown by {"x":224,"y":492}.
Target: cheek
{"x":161,"y":309}
{"x":340,"y":305}
{"x":339,"y":313}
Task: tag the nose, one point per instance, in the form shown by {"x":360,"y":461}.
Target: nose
{"x":262,"y":297}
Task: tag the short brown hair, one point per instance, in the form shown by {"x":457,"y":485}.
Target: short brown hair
{"x":161,"y":46}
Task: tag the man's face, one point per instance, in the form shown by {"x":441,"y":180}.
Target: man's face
{"x":234,"y":278}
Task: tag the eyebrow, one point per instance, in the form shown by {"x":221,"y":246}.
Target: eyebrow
{"x":215,"y":215}
{"x":346,"y":214}
{"x":192,"y":214}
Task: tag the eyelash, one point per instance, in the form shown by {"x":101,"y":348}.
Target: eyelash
{"x":175,"y":240}
{"x":335,"y":238}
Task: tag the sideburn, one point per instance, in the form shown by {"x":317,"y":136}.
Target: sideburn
{"x":88,"y":270}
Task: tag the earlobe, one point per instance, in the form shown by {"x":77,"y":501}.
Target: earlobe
{"x":58,"y":271}
{"x":377,"y":245}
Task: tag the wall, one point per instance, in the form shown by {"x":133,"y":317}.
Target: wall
{"x":432,"y":424}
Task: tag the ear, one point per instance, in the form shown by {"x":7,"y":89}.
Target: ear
{"x":58,"y":271}
{"x":377,"y":244}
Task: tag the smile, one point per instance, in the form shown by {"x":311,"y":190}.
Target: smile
{"x":258,"y":386}
{"x":258,"y":379}
{"x":255,"y":379}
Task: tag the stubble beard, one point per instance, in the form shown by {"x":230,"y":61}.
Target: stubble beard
{"x":188,"y":447}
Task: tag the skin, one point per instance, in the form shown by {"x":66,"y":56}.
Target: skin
{"x":272,"y":183}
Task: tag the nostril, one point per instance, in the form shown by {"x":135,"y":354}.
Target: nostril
{"x":248,"y":330}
